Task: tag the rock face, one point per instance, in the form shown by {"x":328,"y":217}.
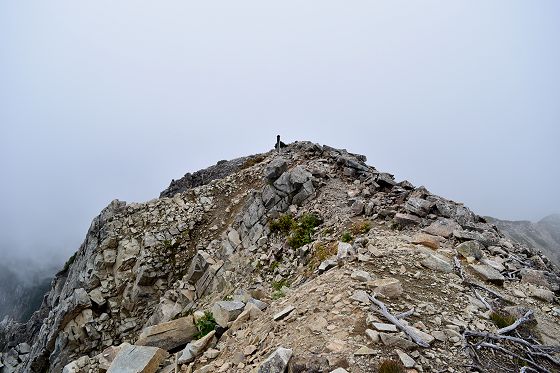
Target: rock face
{"x":241,"y":267}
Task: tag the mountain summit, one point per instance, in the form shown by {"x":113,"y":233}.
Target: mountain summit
{"x":303,"y":260}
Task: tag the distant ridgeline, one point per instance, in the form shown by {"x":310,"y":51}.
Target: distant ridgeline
{"x":19,"y":296}
{"x":543,"y":235}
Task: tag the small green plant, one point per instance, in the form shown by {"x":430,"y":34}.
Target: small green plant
{"x":278,"y":285}
{"x":299,"y":231}
{"x":320,"y":253}
{"x":284,"y":224}
{"x":502,"y":319}
{"x":274,"y":265}
{"x":391,"y":366}
{"x":360,"y":227}
{"x":205,"y":325}
{"x":277,"y":294}
{"x":346,"y":237}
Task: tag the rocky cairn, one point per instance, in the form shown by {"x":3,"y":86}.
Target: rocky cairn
{"x":304,"y":261}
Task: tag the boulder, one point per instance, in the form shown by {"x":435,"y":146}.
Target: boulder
{"x":488,"y":273}
{"x":226,"y":311}
{"x":344,"y":250}
{"x":275,"y":168}
{"x":169,"y":335}
{"x":471,"y":249}
{"x":137,"y":359}
{"x":387,"y":287}
{"x":442,"y":227}
{"x":437,"y":263}
{"x":418,"y":206}
{"x":428,"y":240}
{"x":407,"y":219}
{"x":277,"y":362}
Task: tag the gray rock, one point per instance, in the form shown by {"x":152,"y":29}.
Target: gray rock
{"x":392,"y":340}
{"x":23,"y":348}
{"x":275,"y":168}
{"x":437,"y":263}
{"x":344,"y":250}
{"x":407,"y":361}
{"x":418,"y":206}
{"x":407,"y":219}
{"x":169,"y":335}
{"x":382,"y":327}
{"x":442,"y":227}
{"x":488,"y":273}
{"x":542,"y":294}
{"x":137,"y":359}
{"x":360,"y":296}
{"x":326,"y":265}
{"x":361,"y":276}
{"x":195,"y":348}
{"x":471,"y":249}
{"x":260,"y":304}
{"x":358,"y":207}
{"x":540,"y":278}
{"x":277,"y":362}
{"x":226,"y":311}
{"x":282,"y":314}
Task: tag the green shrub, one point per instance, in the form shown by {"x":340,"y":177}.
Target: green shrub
{"x":346,"y":237}
{"x":391,"y":366}
{"x":299,"y":231}
{"x":205,"y":325}
{"x":320,"y":253}
{"x":284,"y":224}
{"x":360,"y":227}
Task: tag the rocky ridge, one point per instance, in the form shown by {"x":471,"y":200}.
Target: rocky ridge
{"x":543,"y":235}
{"x":290,"y":255}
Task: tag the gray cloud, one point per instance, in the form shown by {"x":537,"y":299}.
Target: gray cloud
{"x":107,"y":100}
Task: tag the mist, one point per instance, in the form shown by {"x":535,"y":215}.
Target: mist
{"x":103,"y":100}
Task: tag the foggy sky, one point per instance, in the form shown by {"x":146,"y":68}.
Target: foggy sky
{"x":112,"y":99}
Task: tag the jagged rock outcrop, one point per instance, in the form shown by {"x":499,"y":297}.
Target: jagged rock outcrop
{"x":234,"y":269}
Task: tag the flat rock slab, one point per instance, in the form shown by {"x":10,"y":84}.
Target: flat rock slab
{"x":382,"y":327}
{"x":437,"y":263}
{"x":488,"y":273}
{"x":407,"y":361}
{"x":137,"y":359}
{"x":387,"y":287}
{"x":442,"y":227}
{"x":427,"y":240}
{"x":285,"y":312}
{"x":169,"y":335}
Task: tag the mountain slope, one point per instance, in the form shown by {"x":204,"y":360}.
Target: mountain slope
{"x":543,"y":235}
{"x":284,"y":252}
